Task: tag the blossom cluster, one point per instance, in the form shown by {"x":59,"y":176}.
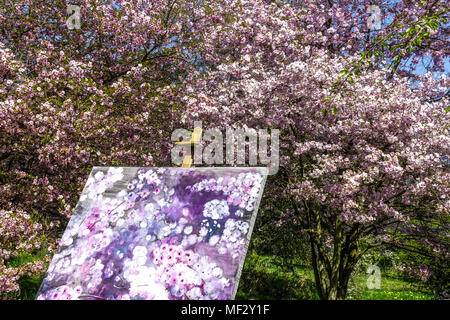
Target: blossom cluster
{"x":242,"y":191}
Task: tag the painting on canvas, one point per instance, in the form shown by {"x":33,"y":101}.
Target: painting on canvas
{"x":157,"y":233}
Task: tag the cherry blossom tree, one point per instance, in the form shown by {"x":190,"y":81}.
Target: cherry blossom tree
{"x":404,"y":36}
{"x":103,"y":94}
{"x":359,"y":157}
{"x":361,"y":151}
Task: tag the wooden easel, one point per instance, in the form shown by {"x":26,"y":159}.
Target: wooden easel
{"x":196,"y":138}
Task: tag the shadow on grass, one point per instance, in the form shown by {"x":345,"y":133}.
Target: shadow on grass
{"x":259,"y":282}
{"x":29,"y":286}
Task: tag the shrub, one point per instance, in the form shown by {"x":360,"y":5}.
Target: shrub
{"x":19,"y":236}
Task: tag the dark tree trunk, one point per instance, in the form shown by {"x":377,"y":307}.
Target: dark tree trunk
{"x":332,"y":271}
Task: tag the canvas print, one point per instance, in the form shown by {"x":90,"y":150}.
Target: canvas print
{"x":157,"y":233}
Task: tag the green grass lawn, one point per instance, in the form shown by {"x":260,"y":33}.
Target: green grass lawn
{"x":262,"y":278}
{"x":391,"y":288}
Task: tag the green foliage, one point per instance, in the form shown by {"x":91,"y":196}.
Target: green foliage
{"x":439,"y":280}
{"x":29,"y":286}
{"x":276,"y":234}
{"x":262,"y":280}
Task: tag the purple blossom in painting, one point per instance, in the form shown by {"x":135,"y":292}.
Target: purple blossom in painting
{"x":157,"y":233}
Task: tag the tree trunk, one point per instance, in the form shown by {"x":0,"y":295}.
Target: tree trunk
{"x":332,"y":275}
{"x":332,"y":271}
